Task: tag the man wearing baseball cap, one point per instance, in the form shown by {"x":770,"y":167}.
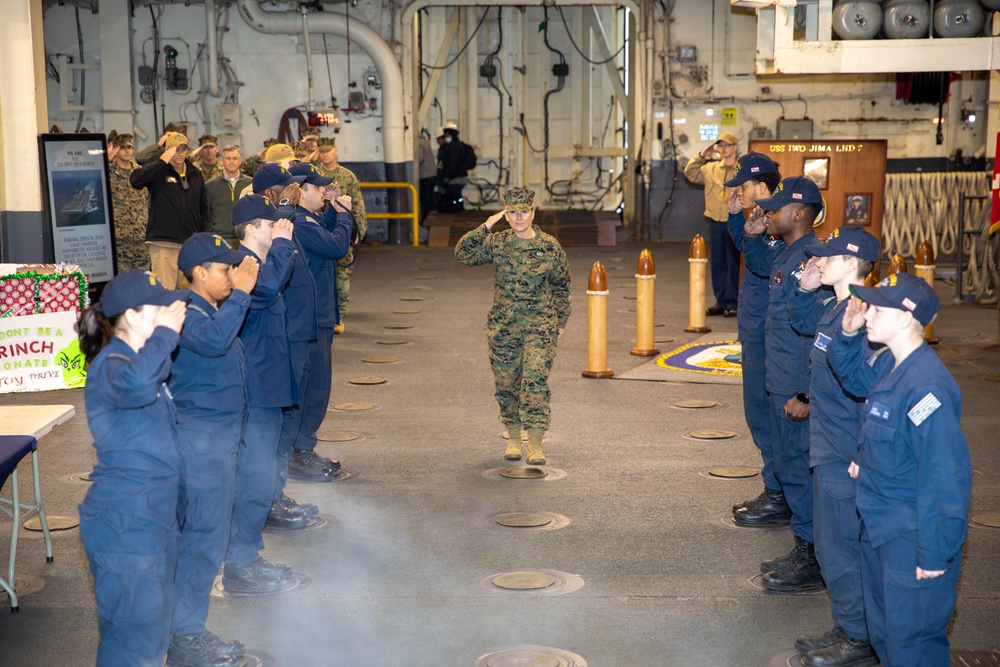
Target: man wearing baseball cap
{"x":208,"y":382}
{"x":725,"y":258}
{"x":266,"y":237}
{"x":843,"y":262}
{"x":913,"y":470}
{"x":756,"y":178}
{"x":325,"y":238}
{"x":789,"y":214}
{"x":178,"y":206}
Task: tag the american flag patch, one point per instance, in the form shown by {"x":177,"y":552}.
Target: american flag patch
{"x":754,"y":170}
{"x":924,"y":408}
{"x":852,"y":247}
{"x":909,"y":305}
{"x":796,"y":195}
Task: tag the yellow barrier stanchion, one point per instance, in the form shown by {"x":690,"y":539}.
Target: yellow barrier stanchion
{"x":413,"y":215}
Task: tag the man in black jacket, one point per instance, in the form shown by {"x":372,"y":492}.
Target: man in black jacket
{"x":452,"y":172}
{"x":178,"y":206}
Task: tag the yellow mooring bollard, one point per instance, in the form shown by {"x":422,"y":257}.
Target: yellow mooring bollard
{"x":597,"y":324}
{"x":698,"y":260}
{"x":645,"y":295}
{"x":924,"y":268}
{"x":897,"y":265}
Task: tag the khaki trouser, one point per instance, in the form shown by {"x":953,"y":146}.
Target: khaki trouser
{"x":163,"y":262}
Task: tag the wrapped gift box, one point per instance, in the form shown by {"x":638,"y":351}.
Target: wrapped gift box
{"x":43,"y":288}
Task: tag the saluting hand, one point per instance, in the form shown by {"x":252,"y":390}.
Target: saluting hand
{"x":169,"y":154}
{"x":756,"y":224}
{"x":292,"y":193}
{"x":112,"y":153}
{"x":172,"y":316}
{"x":494,"y":219}
{"x":734,"y":201}
{"x":854,"y":316}
{"x":282,"y":229}
{"x":244,"y":276}
{"x":809,"y":278}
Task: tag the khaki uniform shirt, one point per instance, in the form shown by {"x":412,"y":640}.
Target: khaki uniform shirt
{"x":712,"y":175}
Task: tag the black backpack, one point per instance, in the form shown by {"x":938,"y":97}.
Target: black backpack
{"x":470,"y":156}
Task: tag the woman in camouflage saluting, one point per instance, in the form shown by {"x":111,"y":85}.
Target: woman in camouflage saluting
{"x":531,"y":304}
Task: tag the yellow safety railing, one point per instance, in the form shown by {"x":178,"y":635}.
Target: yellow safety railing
{"x":413,"y":215}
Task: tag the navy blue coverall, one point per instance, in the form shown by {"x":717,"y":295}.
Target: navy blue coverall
{"x":786,"y":374}
{"x":324,"y":243}
{"x":834,"y":424}
{"x":270,"y":387}
{"x":914,"y":490}
{"x":750,"y":322}
{"x":300,"y":309}
{"x":128,"y":520}
{"x":208,"y":381}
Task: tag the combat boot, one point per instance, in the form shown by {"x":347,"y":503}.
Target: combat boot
{"x":193,"y":651}
{"x":848,"y":652}
{"x":513,"y":451}
{"x":535,"y":455}
{"x":774,"y":511}
{"x":799,"y":574}
{"x":782,"y":561}
{"x":828,"y":638}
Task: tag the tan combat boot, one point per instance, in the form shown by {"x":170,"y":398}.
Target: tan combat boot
{"x":535,"y":455}
{"x":513,"y":451}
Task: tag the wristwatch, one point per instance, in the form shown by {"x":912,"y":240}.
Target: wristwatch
{"x":802,"y":398}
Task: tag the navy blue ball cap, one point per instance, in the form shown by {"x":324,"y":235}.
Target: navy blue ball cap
{"x":134,"y":288}
{"x":792,"y":190}
{"x":902,"y":291}
{"x":273,"y":175}
{"x":255,"y":207}
{"x":313,"y":177}
{"x":750,"y":166}
{"x":848,"y":240}
{"x":207,"y":247}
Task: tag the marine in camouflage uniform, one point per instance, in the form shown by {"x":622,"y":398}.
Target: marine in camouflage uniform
{"x":130,"y":208}
{"x":208,"y":142}
{"x":348,"y":183}
{"x":252,"y":163}
{"x":531,"y":304}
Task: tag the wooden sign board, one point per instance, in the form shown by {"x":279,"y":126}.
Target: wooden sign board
{"x":850,"y":176}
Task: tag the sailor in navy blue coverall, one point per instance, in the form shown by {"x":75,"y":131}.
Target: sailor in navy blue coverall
{"x":263,"y":233}
{"x":128,"y":520}
{"x":756,"y":176}
{"x":790,"y":214}
{"x":208,"y":381}
{"x":325,"y":238}
{"x":913,"y":470}
{"x":846,"y":259}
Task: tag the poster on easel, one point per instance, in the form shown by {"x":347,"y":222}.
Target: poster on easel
{"x":75,"y":176}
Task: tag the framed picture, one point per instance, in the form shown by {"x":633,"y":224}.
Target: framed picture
{"x":856,"y":207}
{"x":817,"y":170}
{"x":77,"y":196}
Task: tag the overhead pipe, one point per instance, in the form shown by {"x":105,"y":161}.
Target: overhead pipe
{"x":211,"y":45}
{"x":393,"y":120}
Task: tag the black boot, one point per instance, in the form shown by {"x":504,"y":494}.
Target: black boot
{"x":800,"y":574}
{"x":781,"y":561}
{"x":848,"y":652}
{"x":192,"y":651}
{"x":233,"y":647}
{"x":753,"y":503}
{"x":828,"y":638}
{"x":305,"y":465}
{"x":773,"y":511}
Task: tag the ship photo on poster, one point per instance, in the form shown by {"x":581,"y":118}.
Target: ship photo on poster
{"x":76,"y":179}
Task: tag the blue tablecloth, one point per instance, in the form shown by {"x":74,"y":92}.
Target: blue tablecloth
{"x":13,"y":448}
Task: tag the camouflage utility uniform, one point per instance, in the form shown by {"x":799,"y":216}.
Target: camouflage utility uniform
{"x":348,"y":183}
{"x":130,"y":208}
{"x":531,"y":302}
{"x":208,"y":170}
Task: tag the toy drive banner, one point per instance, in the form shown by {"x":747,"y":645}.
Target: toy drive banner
{"x":40,"y":353}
